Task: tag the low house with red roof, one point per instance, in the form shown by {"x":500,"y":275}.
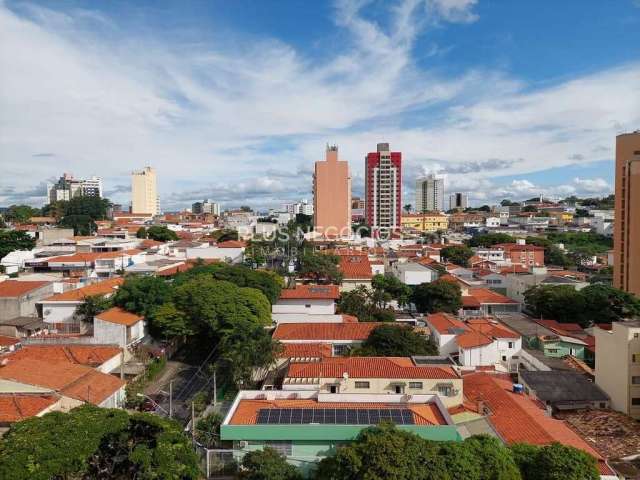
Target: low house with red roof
{"x":518,"y":419}
{"x":104,"y":358}
{"x":341,"y":336}
{"x":375,"y":375}
{"x":487,"y":343}
{"x":308,"y":299}
{"x":118,"y":327}
{"x":15,"y":407}
{"x":484,"y":302}
{"x":61,"y":307}
{"x":19,"y":299}
{"x":307,"y":425}
{"x":356,"y":270}
{"x":444,"y":330}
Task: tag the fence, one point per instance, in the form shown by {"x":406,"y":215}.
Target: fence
{"x":219,"y":462}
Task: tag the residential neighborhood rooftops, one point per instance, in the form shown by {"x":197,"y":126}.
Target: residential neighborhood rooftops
{"x":320,"y":292}
{"x":369,"y":367}
{"x":486,"y":296}
{"x":446,"y":324}
{"x":324,"y":331}
{"x":562,"y":386}
{"x":17,"y":407}
{"x":104,"y":287}
{"x":89,"y":355}
{"x":355,"y":266}
{"x":119,"y":316}
{"x":16,"y":288}
{"x":473,"y":339}
{"x":305,"y":350}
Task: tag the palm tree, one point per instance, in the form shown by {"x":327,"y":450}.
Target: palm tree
{"x":407,"y":207}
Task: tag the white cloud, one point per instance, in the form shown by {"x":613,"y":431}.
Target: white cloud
{"x":79,"y":94}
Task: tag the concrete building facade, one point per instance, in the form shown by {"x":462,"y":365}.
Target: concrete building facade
{"x":383,"y":188}
{"x":430,"y":194}
{"x":626,"y":237}
{"x":332,"y":196}
{"x":144,"y":192}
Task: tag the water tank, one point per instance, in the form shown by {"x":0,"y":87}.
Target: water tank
{"x":518,"y":388}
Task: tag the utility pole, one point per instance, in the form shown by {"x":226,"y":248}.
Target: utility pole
{"x":171,"y":399}
{"x":215,"y":390}
{"x":193,"y":422}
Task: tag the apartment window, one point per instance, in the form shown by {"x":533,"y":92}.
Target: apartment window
{"x":552,"y":350}
{"x":362,"y":385}
{"x":333,"y":389}
{"x":399,"y":389}
{"x":636,"y":335}
{"x":445,"y":390}
{"x":504,"y":358}
{"x":635,"y":402}
{"x":283,"y":447}
{"x":308,"y":305}
{"x":635,"y":357}
{"x":635,"y":380}
{"x":510,"y":344}
{"x":340,"y":349}
{"x":416,"y":385}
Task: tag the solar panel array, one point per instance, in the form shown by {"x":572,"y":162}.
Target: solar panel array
{"x":334,"y":416}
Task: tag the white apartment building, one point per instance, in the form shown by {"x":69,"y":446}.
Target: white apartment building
{"x":618,"y":365}
{"x":144,"y":192}
{"x":68,"y":187}
{"x":303,"y":207}
{"x":430,"y":194}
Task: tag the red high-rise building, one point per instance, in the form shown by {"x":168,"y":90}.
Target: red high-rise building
{"x":383,"y":188}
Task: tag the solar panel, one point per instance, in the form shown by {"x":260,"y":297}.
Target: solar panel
{"x":334,"y":416}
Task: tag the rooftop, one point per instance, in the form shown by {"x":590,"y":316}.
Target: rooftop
{"x":486,"y":296}
{"x":119,"y":316}
{"x":16,"y":288}
{"x":325,"y":331}
{"x":17,"y":407}
{"x":88,"y":355}
{"x":355,"y":266}
{"x":445,"y":323}
{"x":320,"y":292}
{"x":558,"y":386}
{"x":79,"y":294}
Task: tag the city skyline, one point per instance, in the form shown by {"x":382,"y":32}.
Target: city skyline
{"x":484,"y":118}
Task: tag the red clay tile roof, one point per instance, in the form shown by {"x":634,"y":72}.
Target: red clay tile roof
{"x":469,"y":301}
{"x":88,"y":355}
{"x":368,"y":367}
{"x":444,"y":323}
{"x":515,"y":268}
{"x":561,"y":328}
{"x":119,"y":316}
{"x":484,"y":295}
{"x":79,"y":294}
{"x":231,"y":244}
{"x":15,"y":288}
{"x":17,"y":407}
{"x":325,"y":331}
{"x":508,"y":247}
{"x":8,"y":341}
{"x":516,"y":417}
{"x":473,"y":339}
{"x":329,"y":292}
{"x":490,"y":327}
{"x":305,"y":350}
{"x":75,"y":381}
{"x":246,"y":412}
{"x":355,"y":266}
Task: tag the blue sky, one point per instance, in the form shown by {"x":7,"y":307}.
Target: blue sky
{"x":235,"y":100}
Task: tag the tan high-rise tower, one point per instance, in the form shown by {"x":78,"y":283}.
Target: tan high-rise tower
{"x":332,"y":196}
{"x":626,"y":237}
{"x":144,"y":192}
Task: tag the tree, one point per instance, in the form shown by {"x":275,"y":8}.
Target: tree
{"x":554,"y":462}
{"x":407,"y":208}
{"x":438,"y":296}
{"x":167,"y":322}
{"x":364,"y":304}
{"x":92,"y":306}
{"x":161,"y":233}
{"x":12,"y":240}
{"x":224,"y":235}
{"x":81,"y":224}
{"x":141,"y":233}
{"x":395,"y":341}
{"x":490,"y":239}
{"x":605,"y":304}
{"x":321,"y":267}
{"x":267,"y":464}
{"x":484,"y":208}
{"x":509,"y":203}
{"x":245,"y":208}
{"x":558,"y":302}
{"x":494,"y":460}
{"x":207,"y":431}
{"x":92,"y":442}
{"x":457,"y":254}
{"x":362,"y":229}
{"x":391,"y":286}
{"x":142,"y":294}
{"x":530,"y":209}
{"x":20,"y":213}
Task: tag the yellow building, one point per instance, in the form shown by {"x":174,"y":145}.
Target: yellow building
{"x":144,"y":192}
{"x":618,"y":365}
{"x":425,"y":222}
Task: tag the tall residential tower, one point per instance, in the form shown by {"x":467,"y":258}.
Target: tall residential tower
{"x":332,"y":196}
{"x":626,"y":237}
{"x":144,"y":192}
{"x":383,"y":188}
{"x":430,"y":194}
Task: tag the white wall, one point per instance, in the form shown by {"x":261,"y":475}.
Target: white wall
{"x":310,"y":306}
{"x":109,"y":333}
{"x":235,"y":255}
{"x":58,"y":312}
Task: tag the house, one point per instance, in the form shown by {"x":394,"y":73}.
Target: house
{"x":103,"y":358}
{"x":341,"y":336}
{"x":375,"y":375}
{"x":560,"y":390}
{"x":74,"y":384}
{"x":19,"y":299}
{"x":17,"y":407}
{"x":20,"y":327}
{"x":487,"y":343}
{"x":414,"y":273}
{"x":444,"y":330}
{"x":118,"y":327}
{"x":356,"y":270}
{"x":566,"y":339}
{"x":231,"y":251}
{"x":519,"y":419}
{"x":308,"y":299}
{"x":485,"y":302}
{"x":306,"y":425}
{"x":60,"y":308}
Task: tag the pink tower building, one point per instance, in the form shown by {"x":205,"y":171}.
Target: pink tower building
{"x":332,"y":196}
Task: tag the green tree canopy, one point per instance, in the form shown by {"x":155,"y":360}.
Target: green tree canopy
{"x":395,"y":341}
{"x":20,"y":213}
{"x":92,"y":442}
{"x":489,"y":239}
{"x":141,"y":233}
{"x":142,"y":294}
{"x":554,"y":462}
{"x":12,"y":240}
{"x":161,"y":233}
{"x":92,"y":306}
{"x":605,"y":304}
{"x":458,"y":254}
{"x":320,"y":267}
{"x":438,"y":296}
{"x":81,"y":224}
{"x":366,"y":305}
{"x":392,"y":287}
{"x":267,"y":464}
